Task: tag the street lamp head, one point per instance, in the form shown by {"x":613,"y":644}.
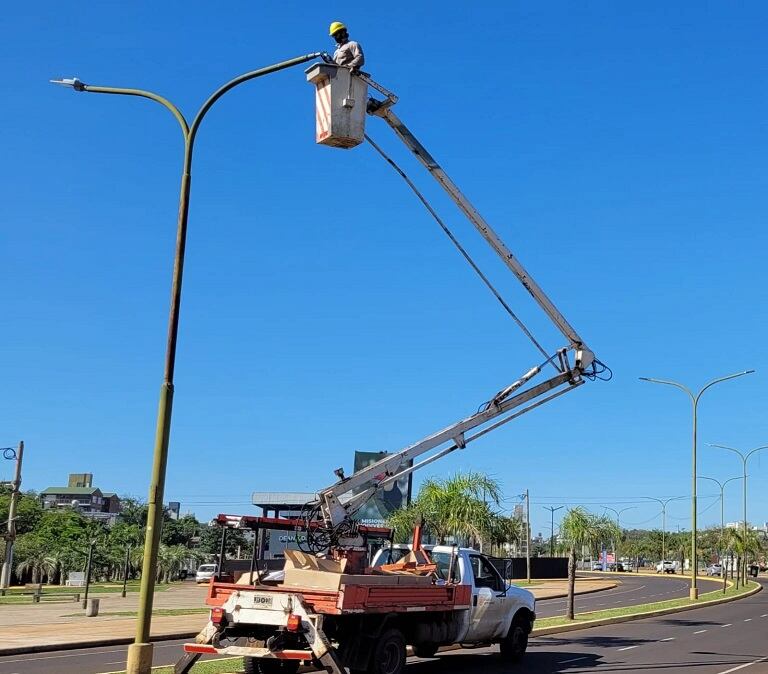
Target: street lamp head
{"x":73,"y":82}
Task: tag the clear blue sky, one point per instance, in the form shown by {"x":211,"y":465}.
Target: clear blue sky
{"x":620,"y":151}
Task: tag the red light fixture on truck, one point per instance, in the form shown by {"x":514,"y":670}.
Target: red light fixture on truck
{"x":294,"y":623}
{"x":218,"y":616}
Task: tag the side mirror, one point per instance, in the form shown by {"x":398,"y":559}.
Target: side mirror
{"x":484,"y":595}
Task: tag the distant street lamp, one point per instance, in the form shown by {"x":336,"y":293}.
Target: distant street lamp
{"x":618,"y":525}
{"x":722,"y":515}
{"x":552,"y":535}
{"x":663,"y":503}
{"x":744,"y":458}
{"x":140,"y":652}
{"x":695,"y":397}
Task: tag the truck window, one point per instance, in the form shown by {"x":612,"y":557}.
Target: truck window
{"x":486,"y":574}
{"x":443,"y":562}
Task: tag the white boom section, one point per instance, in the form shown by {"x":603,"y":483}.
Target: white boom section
{"x":582,"y":355}
{"x":385,"y":471}
{"x":501,"y":408}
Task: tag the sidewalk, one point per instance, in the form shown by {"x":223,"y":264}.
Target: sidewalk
{"x":31,"y":628}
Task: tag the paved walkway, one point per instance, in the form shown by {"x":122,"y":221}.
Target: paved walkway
{"x":46,"y":626}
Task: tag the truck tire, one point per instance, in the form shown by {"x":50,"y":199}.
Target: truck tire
{"x":425,"y":650}
{"x":270,"y":666}
{"x":388,"y":655}
{"x":513,"y":646}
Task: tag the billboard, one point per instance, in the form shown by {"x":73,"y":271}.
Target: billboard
{"x":393,"y":496}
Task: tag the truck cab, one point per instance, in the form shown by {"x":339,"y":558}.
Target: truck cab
{"x":495,"y":602}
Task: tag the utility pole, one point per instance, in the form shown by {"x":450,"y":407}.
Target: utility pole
{"x":695,"y":397}
{"x":552,"y":535}
{"x":10,"y":535}
{"x":528,"y":536}
{"x":125,"y":569}
{"x":88,"y":572}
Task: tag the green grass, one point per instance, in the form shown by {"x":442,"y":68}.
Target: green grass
{"x":221,"y":666}
{"x":642,"y":608}
{"x":156,"y":612}
{"x":16,"y":595}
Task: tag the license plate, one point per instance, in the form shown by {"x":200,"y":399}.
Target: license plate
{"x":262,"y":600}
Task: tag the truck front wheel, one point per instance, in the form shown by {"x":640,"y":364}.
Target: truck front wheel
{"x":388,"y":656}
{"x":513,"y":646}
{"x":270,"y":666}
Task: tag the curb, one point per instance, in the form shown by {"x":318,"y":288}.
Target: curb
{"x":95,"y":643}
{"x":579,"y":594}
{"x":544,"y":631}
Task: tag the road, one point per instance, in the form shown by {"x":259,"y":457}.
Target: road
{"x":635,"y":589}
{"x":716,"y":640}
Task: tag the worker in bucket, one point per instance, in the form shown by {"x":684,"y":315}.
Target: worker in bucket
{"x":348,"y":52}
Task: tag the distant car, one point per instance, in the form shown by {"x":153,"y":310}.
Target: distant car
{"x":205,"y":572}
{"x":714,"y":570}
{"x":616,"y":567}
{"x":665,"y":566}
{"x":597,"y":566}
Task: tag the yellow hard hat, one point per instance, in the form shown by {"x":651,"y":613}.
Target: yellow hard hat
{"x":336,"y":26}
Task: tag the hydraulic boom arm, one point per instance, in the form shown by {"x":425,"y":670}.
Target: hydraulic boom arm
{"x":336,"y":504}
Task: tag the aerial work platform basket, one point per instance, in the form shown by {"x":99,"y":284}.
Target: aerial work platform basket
{"x":340,"y":105}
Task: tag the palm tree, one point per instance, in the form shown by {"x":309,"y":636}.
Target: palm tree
{"x":38,"y":563}
{"x":580,"y":528}
{"x":507,"y":530}
{"x":459,"y":506}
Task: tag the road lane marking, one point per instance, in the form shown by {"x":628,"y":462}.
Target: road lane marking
{"x":765,"y":615}
{"x":727,"y":625}
{"x":700,"y":631}
{"x":562,"y":662}
{"x":746,"y":620}
{"x":627,"y":648}
{"x":669,"y":639}
{"x":746,"y":664}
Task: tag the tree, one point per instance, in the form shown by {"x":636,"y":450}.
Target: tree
{"x":181,"y":531}
{"x":210,"y":541}
{"x":458,"y":506}
{"x":509,"y":530}
{"x":28,"y":509}
{"x":579,"y":529}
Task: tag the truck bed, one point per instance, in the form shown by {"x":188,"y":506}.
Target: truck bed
{"x":359,"y":598}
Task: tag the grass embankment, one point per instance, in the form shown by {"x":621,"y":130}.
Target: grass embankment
{"x":20,"y":595}
{"x":624,"y":611}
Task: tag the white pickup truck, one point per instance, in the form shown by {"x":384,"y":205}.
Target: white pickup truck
{"x":365,"y":625}
{"x":667,"y":566}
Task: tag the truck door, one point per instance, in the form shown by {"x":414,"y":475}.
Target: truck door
{"x":489,"y":602}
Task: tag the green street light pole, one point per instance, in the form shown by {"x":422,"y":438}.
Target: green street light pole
{"x":722,"y":516}
{"x":663,"y":503}
{"x":618,"y":525}
{"x":744,"y":458}
{"x":140,"y":652}
{"x":552,"y":512}
{"x":695,"y":397}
